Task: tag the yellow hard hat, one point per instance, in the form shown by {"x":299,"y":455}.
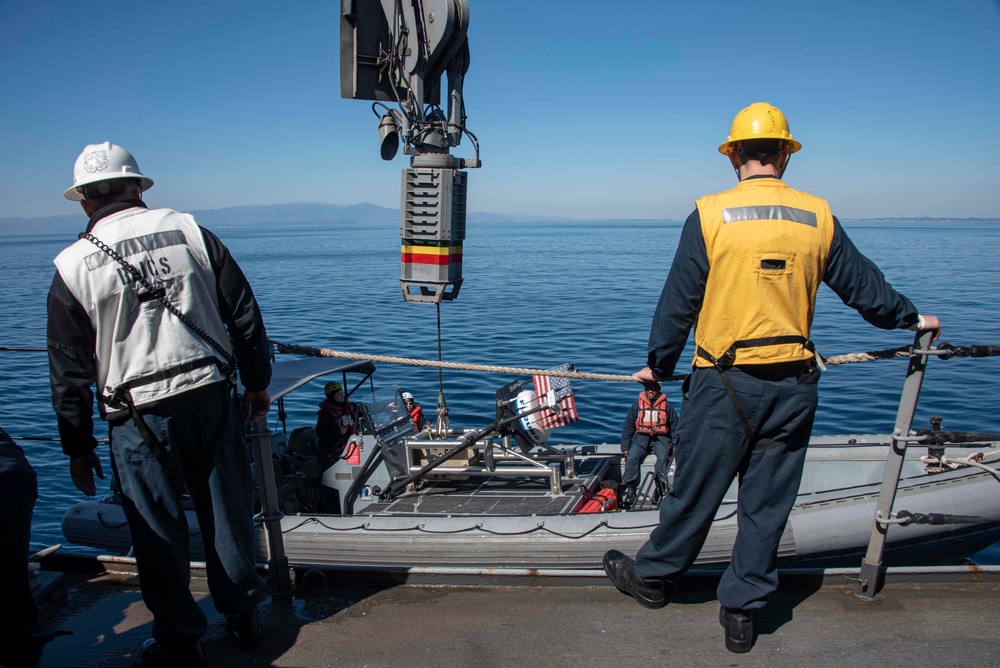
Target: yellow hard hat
{"x":759,"y":121}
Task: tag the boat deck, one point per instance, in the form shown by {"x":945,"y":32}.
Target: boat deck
{"x":811,"y":621}
{"x":493,"y":496}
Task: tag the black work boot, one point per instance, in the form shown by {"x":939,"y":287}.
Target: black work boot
{"x":621,"y":571}
{"x":628,"y":496}
{"x":173,"y":656}
{"x":739,"y":628}
{"x":246,"y":629}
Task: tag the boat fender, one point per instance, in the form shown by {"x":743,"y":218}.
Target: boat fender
{"x":603,"y":502}
{"x":531,"y":424}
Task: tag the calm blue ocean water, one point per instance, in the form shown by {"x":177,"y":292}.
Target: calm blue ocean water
{"x":535,"y":295}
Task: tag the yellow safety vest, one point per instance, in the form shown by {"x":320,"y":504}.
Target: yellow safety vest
{"x":767,"y":248}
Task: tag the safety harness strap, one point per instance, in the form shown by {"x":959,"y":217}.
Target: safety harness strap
{"x":121,"y":398}
{"x":122,"y":395}
{"x":153,"y":443}
{"x":116,"y":398}
{"x":725,"y":361}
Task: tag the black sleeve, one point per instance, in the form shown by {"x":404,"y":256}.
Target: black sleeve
{"x":680,"y":301}
{"x":241,"y":314}
{"x":861,"y":285}
{"x":72,"y":368}
{"x":628,"y":429}
{"x":327,"y":431}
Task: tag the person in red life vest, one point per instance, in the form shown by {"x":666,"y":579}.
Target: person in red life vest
{"x":336,"y":422}
{"x":416,"y":413}
{"x":651,"y":423}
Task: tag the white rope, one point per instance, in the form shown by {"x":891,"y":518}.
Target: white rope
{"x":941,"y":464}
{"x":517,"y":371}
{"x":849,"y":358}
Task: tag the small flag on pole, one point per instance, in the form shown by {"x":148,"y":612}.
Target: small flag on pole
{"x":564,"y":397}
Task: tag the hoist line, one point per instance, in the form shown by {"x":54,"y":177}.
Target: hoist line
{"x":440,"y":356}
{"x":443,"y":421}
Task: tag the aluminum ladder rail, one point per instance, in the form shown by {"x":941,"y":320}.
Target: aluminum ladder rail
{"x":270,"y":516}
{"x":869,"y":577}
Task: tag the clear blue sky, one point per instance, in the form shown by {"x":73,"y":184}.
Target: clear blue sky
{"x":583,"y":108}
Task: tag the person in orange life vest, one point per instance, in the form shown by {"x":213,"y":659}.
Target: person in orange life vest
{"x":416,"y":412}
{"x":651,"y":423}
{"x":336,"y":422}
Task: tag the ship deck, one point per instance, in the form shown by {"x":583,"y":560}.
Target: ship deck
{"x":924,"y":618}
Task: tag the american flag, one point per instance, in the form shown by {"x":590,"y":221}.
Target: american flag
{"x":564,"y":395}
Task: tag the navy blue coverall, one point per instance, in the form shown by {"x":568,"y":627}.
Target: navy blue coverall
{"x":780,"y":402}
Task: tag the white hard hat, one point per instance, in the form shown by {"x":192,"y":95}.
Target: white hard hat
{"x":104,"y":162}
{"x":407,"y":395}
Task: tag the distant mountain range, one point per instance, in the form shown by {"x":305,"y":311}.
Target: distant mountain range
{"x":321,"y":212}
{"x":296,"y":212}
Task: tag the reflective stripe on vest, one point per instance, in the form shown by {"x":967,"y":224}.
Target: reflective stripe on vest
{"x":767,"y":248}
{"x":652,"y":418}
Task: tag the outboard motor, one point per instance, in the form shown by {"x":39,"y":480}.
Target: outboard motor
{"x":526,"y":430}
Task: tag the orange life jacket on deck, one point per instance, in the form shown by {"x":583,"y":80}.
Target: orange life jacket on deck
{"x":652,"y":417}
{"x":603,"y":502}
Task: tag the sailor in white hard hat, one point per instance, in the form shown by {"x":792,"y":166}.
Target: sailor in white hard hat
{"x":164,"y":384}
{"x":103,"y":170}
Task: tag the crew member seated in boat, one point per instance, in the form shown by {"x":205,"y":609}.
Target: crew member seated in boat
{"x":651,"y":423}
{"x":336,"y":422}
{"x":416,"y":413}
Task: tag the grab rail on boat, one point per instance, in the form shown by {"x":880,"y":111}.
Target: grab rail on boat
{"x":468,"y":440}
{"x":423,"y":451}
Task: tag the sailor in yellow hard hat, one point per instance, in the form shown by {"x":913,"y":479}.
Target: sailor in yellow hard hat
{"x":759,"y":121}
{"x":745,"y":275}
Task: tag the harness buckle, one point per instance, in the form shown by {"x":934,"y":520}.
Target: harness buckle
{"x":726,"y":359}
{"x":116,"y":399}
